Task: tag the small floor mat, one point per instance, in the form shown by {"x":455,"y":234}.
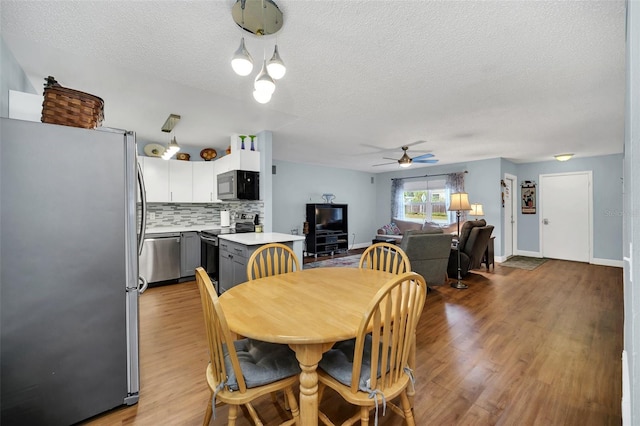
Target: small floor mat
{"x":524,"y":262}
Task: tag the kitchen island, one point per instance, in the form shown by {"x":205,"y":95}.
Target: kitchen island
{"x":236,"y":249}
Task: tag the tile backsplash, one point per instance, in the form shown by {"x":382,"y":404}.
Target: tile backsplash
{"x":177,"y":214}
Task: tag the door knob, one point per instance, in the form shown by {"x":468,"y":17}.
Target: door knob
{"x":545,"y":221}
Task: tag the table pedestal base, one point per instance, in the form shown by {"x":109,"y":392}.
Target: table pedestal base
{"x":309,"y":356}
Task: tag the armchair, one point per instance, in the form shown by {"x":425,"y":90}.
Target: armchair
{"x":473,"y":240}
{"x":428,"y":252}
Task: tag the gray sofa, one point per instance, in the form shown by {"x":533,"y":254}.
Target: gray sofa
{"x":403,"y":226}
{"x":428,"y":250}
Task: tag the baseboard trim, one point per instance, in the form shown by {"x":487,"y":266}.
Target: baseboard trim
{"x":608,"y":262}
{"x":528,"y":253}
{"x":360,"y":245}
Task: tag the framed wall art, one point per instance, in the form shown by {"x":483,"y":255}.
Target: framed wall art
{"x":528,"y":189}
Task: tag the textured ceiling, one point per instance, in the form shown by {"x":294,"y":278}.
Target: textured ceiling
{"x":522,"y":80}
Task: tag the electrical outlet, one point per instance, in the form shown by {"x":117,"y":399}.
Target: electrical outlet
{"x":152,"y":215}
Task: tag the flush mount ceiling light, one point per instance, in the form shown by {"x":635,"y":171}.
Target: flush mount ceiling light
{"x":260,"y":18}
{"x":563,"y":157}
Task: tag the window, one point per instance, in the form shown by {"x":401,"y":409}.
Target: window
{"x":426,"y":201}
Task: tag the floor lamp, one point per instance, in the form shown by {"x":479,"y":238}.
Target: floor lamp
{"x":459,"y":202}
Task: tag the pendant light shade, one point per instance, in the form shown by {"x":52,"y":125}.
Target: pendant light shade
{"x":276,"y":67}
{"x":261,"y":97}
{"x":171,"y":149}
{"x":242,"y":62}
{"x":264,"y":83}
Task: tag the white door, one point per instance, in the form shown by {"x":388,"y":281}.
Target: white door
{"x":510,"y":211}
{"x":565,"y":213}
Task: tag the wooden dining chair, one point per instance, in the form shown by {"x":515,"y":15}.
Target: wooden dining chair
{"x":240,"y":371}
{"x":272,"y":259}
{"x":384,"y":339}
{"x":385,"y":257}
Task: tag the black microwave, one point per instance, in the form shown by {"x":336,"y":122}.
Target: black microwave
{"x":239,"y":185}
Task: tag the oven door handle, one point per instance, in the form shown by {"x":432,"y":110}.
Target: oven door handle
{"x":209,"y":240}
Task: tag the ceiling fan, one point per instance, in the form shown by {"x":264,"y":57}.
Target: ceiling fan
{"x":406,"y":161}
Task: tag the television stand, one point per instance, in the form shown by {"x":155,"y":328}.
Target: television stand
{"x":326,"y":241}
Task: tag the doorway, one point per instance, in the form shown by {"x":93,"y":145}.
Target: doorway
{"x":566,"y":228}
{"x":509,"y":203}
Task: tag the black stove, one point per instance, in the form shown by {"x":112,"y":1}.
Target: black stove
{"x":219,"y":231}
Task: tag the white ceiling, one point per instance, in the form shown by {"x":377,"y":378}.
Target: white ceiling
{"x":522,"y":80}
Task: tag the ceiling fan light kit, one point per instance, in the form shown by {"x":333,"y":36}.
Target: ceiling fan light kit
{"x":406,"y":161}
{"x":259,"y":17}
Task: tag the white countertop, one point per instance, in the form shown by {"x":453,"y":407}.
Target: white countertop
{"x":259,"y":238}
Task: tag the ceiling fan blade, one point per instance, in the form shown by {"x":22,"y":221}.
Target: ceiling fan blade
{"x":384,"y":164}
{"x":414,"y":143}
{"x":425,"y":161}
{"x":420,"y":157}
{"x":387,"y":158}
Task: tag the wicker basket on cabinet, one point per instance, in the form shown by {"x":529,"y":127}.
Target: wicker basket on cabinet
{"x":70,"y":107}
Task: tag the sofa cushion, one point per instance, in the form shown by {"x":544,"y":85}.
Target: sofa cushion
{"x":430,"y":225}
{"x":405,"y":225}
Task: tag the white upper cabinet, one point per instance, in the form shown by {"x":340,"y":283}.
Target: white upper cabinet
{"x":180,"y":181}
{"x":241,"y":159}
{"x":156,"y":179}
{"x":204,"y":182}
{"x":176,"y":181}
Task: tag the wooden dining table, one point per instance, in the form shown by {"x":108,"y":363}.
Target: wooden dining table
{"x":309,"y":310}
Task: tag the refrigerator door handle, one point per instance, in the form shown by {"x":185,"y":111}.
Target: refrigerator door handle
{"x":145,"y":284}
{"x":143,"y":212}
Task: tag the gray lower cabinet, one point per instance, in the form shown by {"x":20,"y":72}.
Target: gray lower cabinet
{"x":189,"y":253}
{"x":233,"y":264}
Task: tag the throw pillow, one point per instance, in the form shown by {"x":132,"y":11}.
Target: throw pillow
{"x":391,"y":229}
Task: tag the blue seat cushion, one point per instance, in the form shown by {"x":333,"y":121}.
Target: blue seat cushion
{"x":338,"y":362}
{"x":261,"y":363}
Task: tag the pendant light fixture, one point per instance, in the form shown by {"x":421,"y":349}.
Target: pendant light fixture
{"x":264,"y":83}
{"x":242,"y":62}
{"x":276,"y":67}
{"x":261,"y":97}
{"x":259,"y":17}
{"x":167,"y":127}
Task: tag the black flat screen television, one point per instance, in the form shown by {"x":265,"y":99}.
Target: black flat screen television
{"x":329,"y":218}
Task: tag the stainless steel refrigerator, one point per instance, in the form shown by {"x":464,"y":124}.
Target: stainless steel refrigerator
{"x":69,"y":285}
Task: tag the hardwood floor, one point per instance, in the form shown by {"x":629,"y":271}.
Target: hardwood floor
{"x":518,"y":347}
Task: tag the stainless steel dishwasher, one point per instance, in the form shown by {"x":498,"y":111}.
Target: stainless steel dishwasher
{"x":160,"y":258}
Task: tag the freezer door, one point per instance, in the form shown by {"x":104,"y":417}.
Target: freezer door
{"x":67,"y":257}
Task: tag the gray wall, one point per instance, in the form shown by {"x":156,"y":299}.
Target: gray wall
{"x":12,"y":77}
{"x":483,"y":185}
{"x":295,"y":185}
{"x":607,"y":203}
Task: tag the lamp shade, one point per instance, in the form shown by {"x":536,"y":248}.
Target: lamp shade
{"x":459,"y":201}
{"x":476,"y":210}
